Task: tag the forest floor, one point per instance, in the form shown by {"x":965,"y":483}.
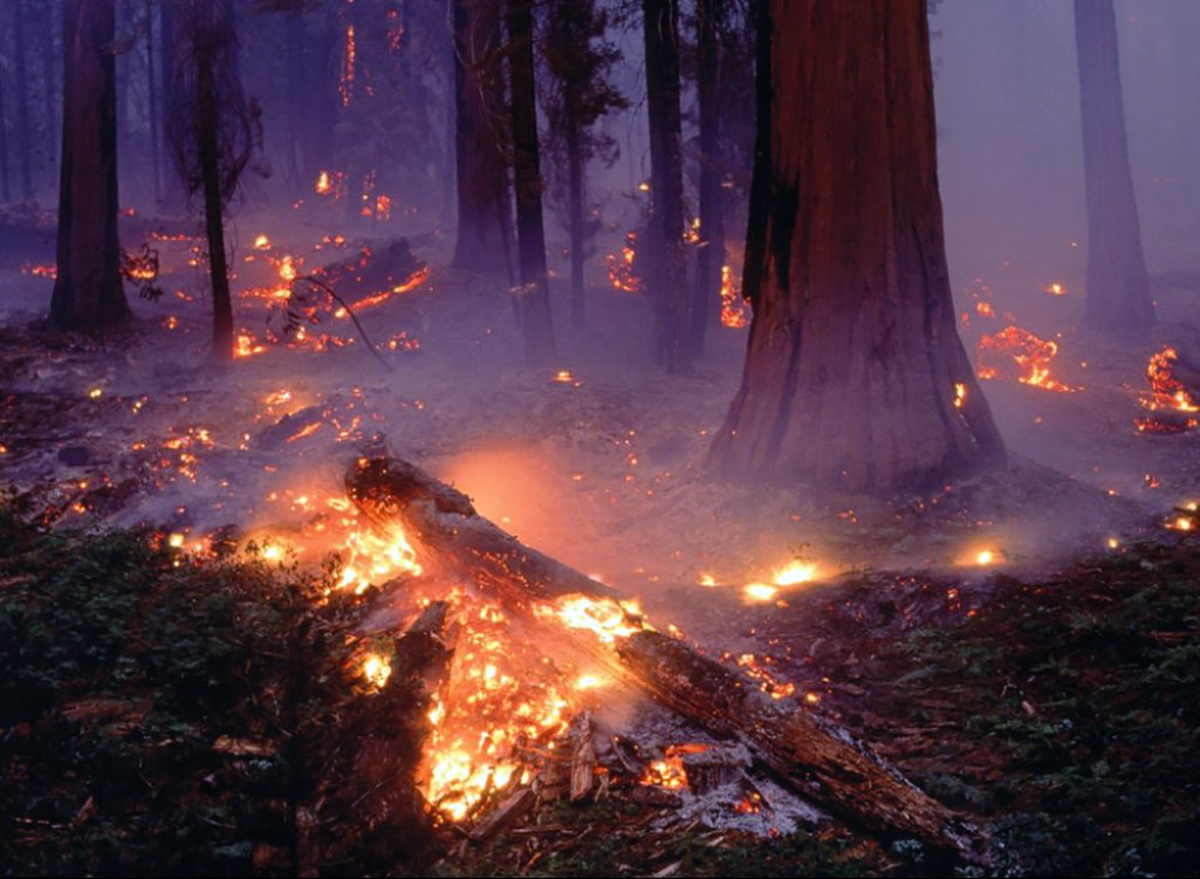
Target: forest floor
{"x":1023,"y":645}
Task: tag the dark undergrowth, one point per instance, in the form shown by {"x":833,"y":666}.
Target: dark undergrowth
{"x":161,"y":714}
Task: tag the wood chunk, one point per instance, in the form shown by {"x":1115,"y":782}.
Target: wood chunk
{"x":505,"y":815}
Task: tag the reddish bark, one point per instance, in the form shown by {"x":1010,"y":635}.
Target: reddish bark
{"x":854,"y":367}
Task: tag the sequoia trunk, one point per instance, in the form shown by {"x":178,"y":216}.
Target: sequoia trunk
{"x":854,"y":375}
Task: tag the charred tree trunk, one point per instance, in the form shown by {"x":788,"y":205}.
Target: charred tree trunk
{"x":1118,"y":287}
{"x":484,"y":241}
{"x":88,"y":293}
{"x":706,"y":301}
{"x":811,"y":754}
{"x":575,"y":176}
{"x":534,"y":296}
{"x":668,"y":266}
{"x":24,"y":133}
{"x":208,"y":154}
{"x":855,"y":375}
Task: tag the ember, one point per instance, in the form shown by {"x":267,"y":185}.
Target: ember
{"x":1172,"y":406}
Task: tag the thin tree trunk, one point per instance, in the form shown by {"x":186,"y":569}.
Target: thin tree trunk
{"x":294,"y":42}
{"x":24,"y":145}
{"x":534,"y":297}
{"x":5,"y":184}
{"x":166,"y":58}
{"x":208,"y":153}
{"x":152,"y":100}
{"x":854,"y":375}
{"x":1118,"y":288}
{"x":668,"y":266}
{"x":575,"y":174}
{"x":49,"y":83}
{"x":484,"y":227}
{"x":88,"y":293}
{"x":706,"y":302}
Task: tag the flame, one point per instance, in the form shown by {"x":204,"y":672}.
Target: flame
{"x":262,"y":242}
{"x":670,"y":772}
{"x":1019,"y":348}
{"x":733,"y":307}
{"x":606,"y":618}
{"x":759,"y":592}
{"x":376,"y":669}
{"x":795,"y":573}
{"x":620,"y":267}
{"x":322,"y":185}
{"x":1167,"y":394}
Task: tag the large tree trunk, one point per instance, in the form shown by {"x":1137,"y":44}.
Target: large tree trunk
{"x":706,"y":296}
{"x":172,"y":189}
{"x":88,"y":293}
{"x":1118,"y":287}
{"x":534,"y":297}
{"x":809,"y":753}
{"x":484,"y":241}
{"x":24,"y":132}
{"x":667,"y":263}
{"x":855,"y":375}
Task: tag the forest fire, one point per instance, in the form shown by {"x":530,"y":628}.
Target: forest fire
{"x":1172,"y":405}
{"x":621,"y":273}
{"x":733,"y":307}
{"x":1017,"y":353}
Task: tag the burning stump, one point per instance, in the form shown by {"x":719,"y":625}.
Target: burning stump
{"x":812,"y":755}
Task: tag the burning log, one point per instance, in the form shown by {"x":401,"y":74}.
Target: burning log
{"x":814,"y":756}
{"x":811,"y":754}
{"x":460,"y":541}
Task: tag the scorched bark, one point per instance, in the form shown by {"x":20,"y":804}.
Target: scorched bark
{"x":855,"y":375}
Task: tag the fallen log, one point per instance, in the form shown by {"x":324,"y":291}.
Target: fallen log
{"x":457,"y":540}
{"x":811,"y":754}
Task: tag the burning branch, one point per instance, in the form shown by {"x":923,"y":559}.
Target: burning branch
{"x":340,"y":301}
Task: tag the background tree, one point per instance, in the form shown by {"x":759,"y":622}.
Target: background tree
{"x":88,"y":293}
{"x":667,"y":264}
{"x":576,"y":94}
{"x":710,"y":258}
{"x":484,"y":240}
{"x":854,"y":374}
{"x":533,"y":300}
{"x":214,"y":133}
{"x":5,"y":184}
{"x":24,"y":127}
{"x":1118,"y":287}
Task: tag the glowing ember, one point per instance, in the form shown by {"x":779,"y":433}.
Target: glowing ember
{"x":376,"y":669}
{"x":1018,"y":353}
{"x":1056,"y":290}
{"x":262,"y":242}
{"x":960,"y":394}
{"x":759,"y":592}
{"x":795,"y":573}
{"x":376,"y":556}
{"x":670,"y":771}
{"x":1173,"y":405}
{"x":322,"y":185}
{"x":245,"y":345}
